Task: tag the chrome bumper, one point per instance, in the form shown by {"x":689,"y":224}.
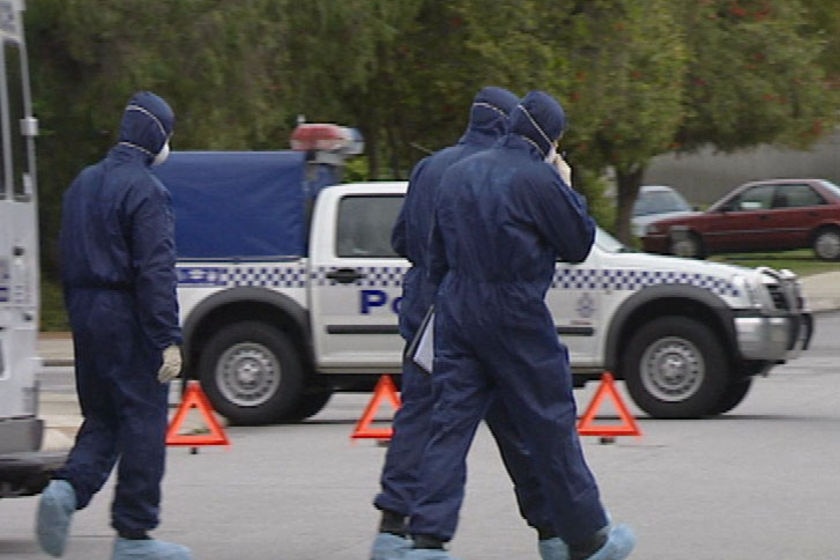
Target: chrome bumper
{"x":774,"y":339}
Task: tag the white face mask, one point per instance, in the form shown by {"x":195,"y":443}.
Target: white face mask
{"x":551,"y":155}
{"x":162,"y":154}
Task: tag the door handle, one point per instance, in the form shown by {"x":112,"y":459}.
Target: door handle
{"x":344,"y":275}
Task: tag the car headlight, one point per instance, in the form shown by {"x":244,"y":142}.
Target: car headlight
{"x":751,"y":291}
{"x":651,"y":229}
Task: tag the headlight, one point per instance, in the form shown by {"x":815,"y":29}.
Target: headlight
{"x":750,"y":290}
{"x":787,"y":274}
{"x":651,"y":229}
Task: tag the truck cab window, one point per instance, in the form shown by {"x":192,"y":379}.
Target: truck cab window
{"x":364,"y":226}
{"x":14,"y":169}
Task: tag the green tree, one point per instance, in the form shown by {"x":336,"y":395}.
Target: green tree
{"x":624,"y":90}
{"x":228,"y":89}
{"x":637,"y":78}
{"x":451,"y":50}
{"x":347,"y":67}
{"x":823,"y":21}
{"x":655,"y":76}
{"x":615,"y":66}
{"x":755,"y":76}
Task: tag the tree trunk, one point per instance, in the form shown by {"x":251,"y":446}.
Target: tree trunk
{"x":628,"y":181}
{"x":372,"y":152}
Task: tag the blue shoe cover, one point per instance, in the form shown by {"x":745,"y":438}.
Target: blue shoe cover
{"x":619,"y":545}
{"x":55,"y":510}
{"x":149,"y":549}
{"x":427,"y":554}
{"x":387,"y":546}
{"x":553,"y":549}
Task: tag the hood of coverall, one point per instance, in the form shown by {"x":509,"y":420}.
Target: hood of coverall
{"x":147,"y":123}
{"x":540,"y":118}
{"x":491,"y":109}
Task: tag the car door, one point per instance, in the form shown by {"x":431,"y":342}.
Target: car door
{"x":796,"y":210}
{"x":356,"y":281}
{"x":743,"y":221}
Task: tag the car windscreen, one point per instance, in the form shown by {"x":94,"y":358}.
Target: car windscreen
{"x":610,"y":244}
{"x":830,"y":186}
{"x":658,"y":202}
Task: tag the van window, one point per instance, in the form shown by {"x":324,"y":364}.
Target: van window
{"x":364,"y":225}
{"x":14,"y":171}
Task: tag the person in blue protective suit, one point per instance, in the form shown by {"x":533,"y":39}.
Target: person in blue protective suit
{"x":502,"y":218}
{"x":488,"y":122}
{"x":118,"y":273}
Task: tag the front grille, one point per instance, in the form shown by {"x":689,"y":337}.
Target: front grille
{"x":780,"y":299}
{"x":784,"y":289}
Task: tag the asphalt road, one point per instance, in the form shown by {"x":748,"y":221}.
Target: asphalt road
{"x":761,"y":482}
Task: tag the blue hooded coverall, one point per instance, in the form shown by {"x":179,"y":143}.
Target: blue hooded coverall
{"x":502,"y":218}
{"x":488,"y":122}
{"x":118,"y":273}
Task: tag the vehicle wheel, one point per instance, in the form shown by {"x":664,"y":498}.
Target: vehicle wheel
{"x":687,"y":245}
{"x":309,"y":405}
{"x":733,"y":395}
{"x":674,"y":368}
{"x":251,"y":373}
{"x":827,"y":244}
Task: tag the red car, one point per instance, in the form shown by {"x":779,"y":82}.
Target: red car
{"x":770,"y":215}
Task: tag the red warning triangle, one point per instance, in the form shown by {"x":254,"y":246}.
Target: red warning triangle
{"x":194,"y":397}
{"x":385,"y":389}
{"x":628,"y":427}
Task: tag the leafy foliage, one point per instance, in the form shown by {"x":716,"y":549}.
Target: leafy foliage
{"x":637,"y":78}
{"x":754,"y":75}
{"x":626,"y":95}
{"x":89,"y":56}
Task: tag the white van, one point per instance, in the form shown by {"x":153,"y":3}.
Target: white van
{"x":24,"y":468}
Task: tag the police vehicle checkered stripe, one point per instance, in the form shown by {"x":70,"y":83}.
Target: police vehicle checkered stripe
{"x":295,"y":276}
{"x":631,"y":280}
{"x":284,"y":276}
{"x":576,"y":279}
{"x":265,"y":276}
{"x":372,"y":276}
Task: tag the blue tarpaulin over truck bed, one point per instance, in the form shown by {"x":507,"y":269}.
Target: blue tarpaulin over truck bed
{"x":241,"y":205}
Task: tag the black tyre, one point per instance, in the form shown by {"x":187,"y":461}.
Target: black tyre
{"x":827,"y":244}
{"x":675,"y":367}
{"x":251,"y":373}
{"x":733,"y":395}
{"x":309,"y":405}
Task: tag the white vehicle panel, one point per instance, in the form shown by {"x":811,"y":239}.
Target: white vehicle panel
{"x":355,"y":288}
{"x":199,"y":280}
